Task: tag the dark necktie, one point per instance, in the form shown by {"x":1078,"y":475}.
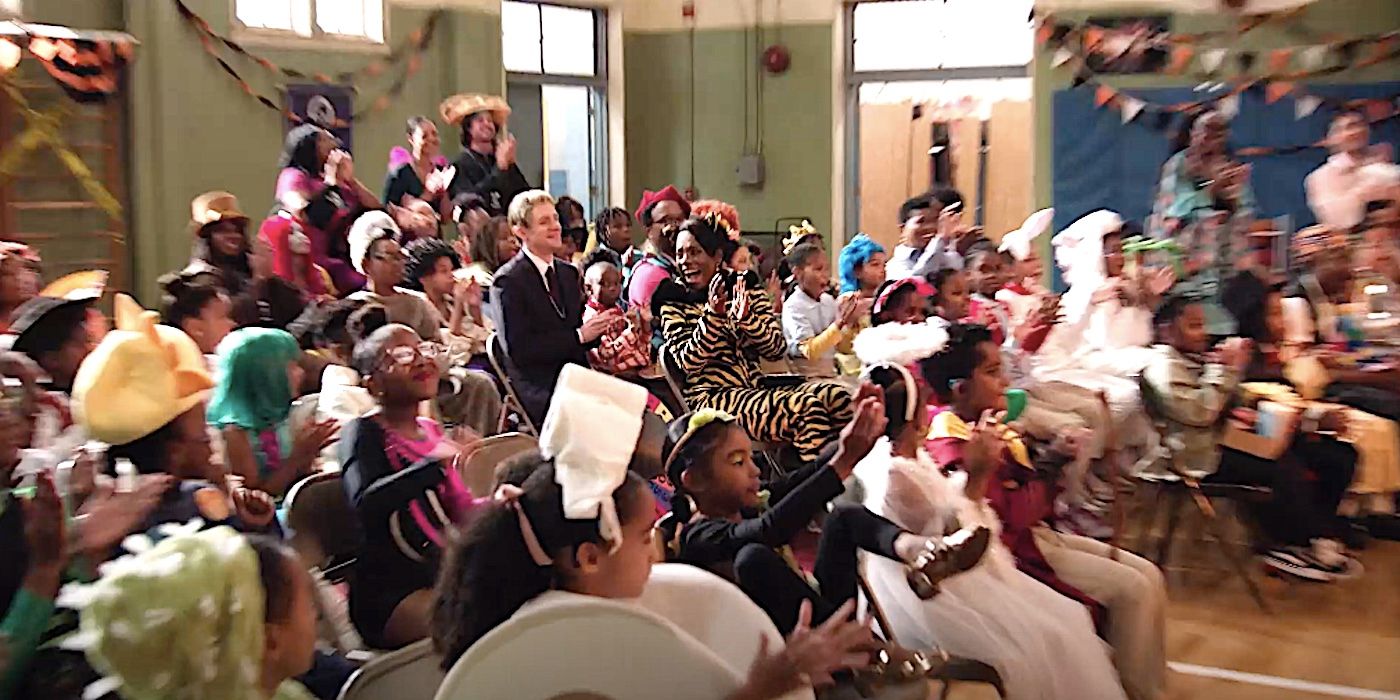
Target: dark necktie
{"x":551,"y":280}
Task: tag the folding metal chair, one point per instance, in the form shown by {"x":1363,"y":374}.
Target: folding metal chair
{"x":479,"y":471}
{"x":323,"y":524}
{"x":411,"y":672}
{"x":501,"y":365}
{"x":1180,"y":484}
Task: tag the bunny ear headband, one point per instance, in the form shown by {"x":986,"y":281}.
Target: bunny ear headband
{"x":1018,"y":242}
{"x":897,"y":346}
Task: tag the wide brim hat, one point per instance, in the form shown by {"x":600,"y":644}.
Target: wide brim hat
{"x":213,"y":207}
{"x":45,"y":316}
{"x":139,"y":378}
{"x":457,"y":108}
{"x":85,"y":284}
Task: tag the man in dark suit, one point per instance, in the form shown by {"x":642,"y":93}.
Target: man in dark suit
{"x":540,"y":305}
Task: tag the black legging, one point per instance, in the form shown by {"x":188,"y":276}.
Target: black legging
{"x":767,"y":578}
{"x":1299,"y":511}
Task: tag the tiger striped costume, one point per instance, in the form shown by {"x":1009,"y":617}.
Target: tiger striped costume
{"x":720,"y":356}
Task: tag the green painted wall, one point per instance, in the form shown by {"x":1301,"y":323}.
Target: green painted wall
{"x":797,"y":121}
{"x":192,"y":128}
{"x":1344,"y":18}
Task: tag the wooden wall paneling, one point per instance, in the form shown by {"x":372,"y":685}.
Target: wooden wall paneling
{"x":884,"y":168}
{"x":1010,"y":161}
{"x":966,"y":135}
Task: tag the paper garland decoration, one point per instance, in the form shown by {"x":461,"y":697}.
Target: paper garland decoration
{"x":410,"y":52}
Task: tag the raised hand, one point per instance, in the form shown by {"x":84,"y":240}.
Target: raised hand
{"x":44,"y":530}
{"x":739,"y":310}
{"x":719,"y":297}
{"x":811,"y":656}
{"x":865,"y":429}
{"x":108,"y":516}
{"x":505,"y":153}
{"x":980,"y":455}
{"x":311,"y":440}
{"x":848,"y":310}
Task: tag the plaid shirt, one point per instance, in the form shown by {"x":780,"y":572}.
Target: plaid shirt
{"x":621,"y":348}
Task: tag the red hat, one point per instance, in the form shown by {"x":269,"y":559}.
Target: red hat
{"x":668,"y":193}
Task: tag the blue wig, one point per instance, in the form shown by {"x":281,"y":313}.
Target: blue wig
{"x":856,"y":253}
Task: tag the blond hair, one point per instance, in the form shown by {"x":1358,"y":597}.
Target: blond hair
{"x":524,"y":203}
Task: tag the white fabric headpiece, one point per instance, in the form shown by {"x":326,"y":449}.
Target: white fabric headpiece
{"x":591,"y":432}
{"x":1018,"y":242}
{"x":1079,"y":248}
{"x":370,"y":227}
{"x":899,"y":345}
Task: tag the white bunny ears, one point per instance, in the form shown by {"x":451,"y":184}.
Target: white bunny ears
{"x":1018,"y":243}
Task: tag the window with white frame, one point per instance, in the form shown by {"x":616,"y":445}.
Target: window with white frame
{"x":555,"y":58}
{"x":356,"y":20}
{"x":934,"y":34}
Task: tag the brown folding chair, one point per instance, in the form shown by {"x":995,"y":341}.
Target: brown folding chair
{"x":479,"y":470}
{"x":501,"y":365}
{"x":323,"y":524}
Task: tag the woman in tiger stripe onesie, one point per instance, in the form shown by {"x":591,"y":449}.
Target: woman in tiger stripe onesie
{"x":717,"y":325}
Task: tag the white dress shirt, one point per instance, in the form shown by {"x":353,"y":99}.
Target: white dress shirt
{"x":909,"y":261}
{"x":542,"y":265}
{"x":1340,"y":188}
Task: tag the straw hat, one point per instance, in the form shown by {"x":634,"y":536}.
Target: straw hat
{"x":139,"y":378}
{"x":457,"y":108}
{"x":84,"y":284}
{"x":213,"y":207}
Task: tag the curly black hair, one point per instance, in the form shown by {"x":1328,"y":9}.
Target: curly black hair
{"x":957,"y":360}
{"x":423,"y":255}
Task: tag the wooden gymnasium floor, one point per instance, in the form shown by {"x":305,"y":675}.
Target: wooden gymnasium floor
{"x":1339,"y":640}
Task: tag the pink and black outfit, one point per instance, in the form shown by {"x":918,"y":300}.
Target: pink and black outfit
{"x":406,"y":498}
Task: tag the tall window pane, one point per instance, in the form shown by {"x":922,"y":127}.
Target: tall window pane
{"x":569,"y":40}
{"x":520,"y":37}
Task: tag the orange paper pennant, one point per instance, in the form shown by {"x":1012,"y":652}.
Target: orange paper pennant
{"x":1043,"y":33}
{"x":1277,"y":90}
{"x":1093,"y":36}
{"x":1181,"y":57}
{"x":1103,"y":95}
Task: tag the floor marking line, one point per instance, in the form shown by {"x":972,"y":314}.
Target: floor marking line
{"x":1341,"y":691}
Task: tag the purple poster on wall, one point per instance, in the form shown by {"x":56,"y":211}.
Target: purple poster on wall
{"x":328,"y":106}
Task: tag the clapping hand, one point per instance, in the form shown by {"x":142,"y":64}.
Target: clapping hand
{"x":848,"y":310}
{"x":739,"y":310}
{"x":866,"y":428}
{"x":311,"y":440}
{"x":108,"y":516}
{"x":44,"y":529}
{"x":255,"y":509}
{"x":719,"y":297}
{"x":438,"y":180}
{"x":505,"y":153}
{"x":811,"y":656}
{"x":981,"y":454}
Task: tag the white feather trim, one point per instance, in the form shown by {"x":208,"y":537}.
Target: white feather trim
{"x":899,"y":343}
